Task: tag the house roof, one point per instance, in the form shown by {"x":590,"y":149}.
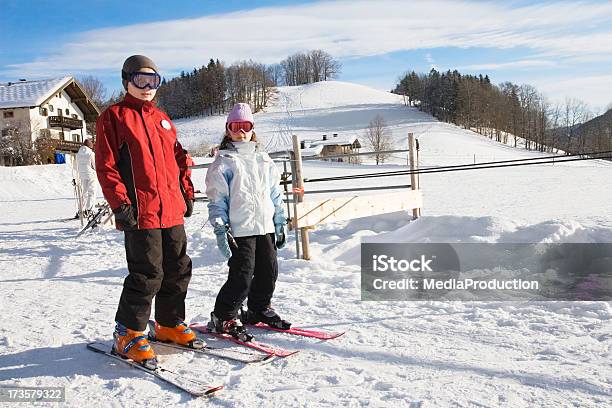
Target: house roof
{"x":24,"y":94}
{"x":340,"y":140}
{"x":312,"y":151}
{"x":29,"y":93}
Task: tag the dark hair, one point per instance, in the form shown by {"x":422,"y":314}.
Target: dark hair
{"x":227,"y":138}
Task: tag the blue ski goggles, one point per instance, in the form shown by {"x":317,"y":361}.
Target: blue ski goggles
{"x":142,"y":80}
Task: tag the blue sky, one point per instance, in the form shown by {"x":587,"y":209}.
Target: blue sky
{"x":563,"y":48}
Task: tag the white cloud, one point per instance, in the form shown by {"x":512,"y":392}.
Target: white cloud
{"x":344,"y":28}
{"x":431,"y":61}
{"x":596,"y":90}
{"x":519,"y":64}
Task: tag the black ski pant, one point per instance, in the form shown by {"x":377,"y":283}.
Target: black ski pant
{"x":253,"y":270}
{"x":159,"y":267}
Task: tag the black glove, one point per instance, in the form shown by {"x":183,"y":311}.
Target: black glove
{"x":189,"y":204}
{"x":280,"y":235}
{"x":125,"y":215}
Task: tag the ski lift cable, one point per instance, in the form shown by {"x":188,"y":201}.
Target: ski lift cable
{"x":484,"y":165}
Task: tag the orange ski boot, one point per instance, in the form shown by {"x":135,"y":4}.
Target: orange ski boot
{"x":180,"y":334}
{"x":134,"y":345}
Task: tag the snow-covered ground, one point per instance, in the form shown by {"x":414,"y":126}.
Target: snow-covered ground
{"x":57,"y":293}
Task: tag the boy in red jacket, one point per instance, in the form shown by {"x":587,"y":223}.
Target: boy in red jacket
{"x":141,"y":168}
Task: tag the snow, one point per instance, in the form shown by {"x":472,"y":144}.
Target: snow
{"x":28,"y":93}
{"x":309,"y":111}
{"x":57,"y":293}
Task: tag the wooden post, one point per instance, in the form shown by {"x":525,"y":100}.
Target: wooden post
{"x":299,"y":197}
{"x":413,"y":166}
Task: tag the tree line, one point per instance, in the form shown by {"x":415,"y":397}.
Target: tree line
{"x":309,"y":67}
{"x":500,"y":111}
{"x":214,"y":88}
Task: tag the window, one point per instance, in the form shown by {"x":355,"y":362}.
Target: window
{"x":67,"y":112}
{"x":76,"y":137}
{"x":60,"y":112}
{"x":45,"y":133}
{"x":43,"y":112}
{"x":9,"y":114}
{"x":50,"y":108}
{"x":9,"y":132}
{"x":61,"y":135}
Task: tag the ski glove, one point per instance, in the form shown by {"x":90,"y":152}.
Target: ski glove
{"x":279,"y":232}
{"x":126,"y":216}
{"x":222,"y":242}
{"x":189,"y":204}
{"x":279,"y":229}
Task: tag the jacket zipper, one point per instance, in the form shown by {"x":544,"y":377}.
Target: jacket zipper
{"x":161,"y":205}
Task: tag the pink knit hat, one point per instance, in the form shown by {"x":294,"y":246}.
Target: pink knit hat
{"x":241,"y":112}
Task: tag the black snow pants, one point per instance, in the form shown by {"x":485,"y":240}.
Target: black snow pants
{"x":159,"y":267}
{"x":253,"y":270}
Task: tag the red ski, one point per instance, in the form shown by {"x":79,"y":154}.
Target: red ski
{"x":316,"y":334}
{"x":265,"y":348}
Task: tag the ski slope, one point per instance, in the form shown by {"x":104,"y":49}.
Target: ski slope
{"x":58,"y":293}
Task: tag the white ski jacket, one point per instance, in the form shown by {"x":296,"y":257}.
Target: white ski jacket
{"x":242,"y":185}
{"x":86,"y":163}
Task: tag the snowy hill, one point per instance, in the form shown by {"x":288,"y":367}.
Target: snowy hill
{"x":58,"y":293}
{"x":309,"y":111}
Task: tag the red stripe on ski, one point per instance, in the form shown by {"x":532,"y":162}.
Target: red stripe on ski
{"x":317,"y":334}
{"x":265,"y":348}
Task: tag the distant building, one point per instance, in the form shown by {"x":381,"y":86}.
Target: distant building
{"x":57,"y":107}
{"x":333,"y":146}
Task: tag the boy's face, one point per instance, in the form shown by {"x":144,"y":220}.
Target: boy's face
{"x":146,"y":94}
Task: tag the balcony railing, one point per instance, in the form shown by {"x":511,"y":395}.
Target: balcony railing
{"x":67,"y":145}
{"x":65,"y":122}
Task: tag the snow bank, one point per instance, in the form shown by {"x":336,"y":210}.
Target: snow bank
{"x":36,"y":182}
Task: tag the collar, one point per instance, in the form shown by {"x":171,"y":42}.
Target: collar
{"x":243,"y":147}
{"x":138,"y":104}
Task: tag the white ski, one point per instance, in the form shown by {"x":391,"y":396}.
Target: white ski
{"x":192,"y":386}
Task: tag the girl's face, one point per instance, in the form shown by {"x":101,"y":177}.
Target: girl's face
{"x":240,"y":131}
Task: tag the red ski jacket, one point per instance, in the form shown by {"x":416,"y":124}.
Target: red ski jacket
{"x":140,"y":162}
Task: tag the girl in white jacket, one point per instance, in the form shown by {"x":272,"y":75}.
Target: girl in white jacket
{"x":246,"y":211}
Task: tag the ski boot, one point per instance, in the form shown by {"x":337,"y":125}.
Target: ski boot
{"x":233,"y":327}
{"x":133,"y":345}
{"x":180,"y":334}
{"x":267,"y":316}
